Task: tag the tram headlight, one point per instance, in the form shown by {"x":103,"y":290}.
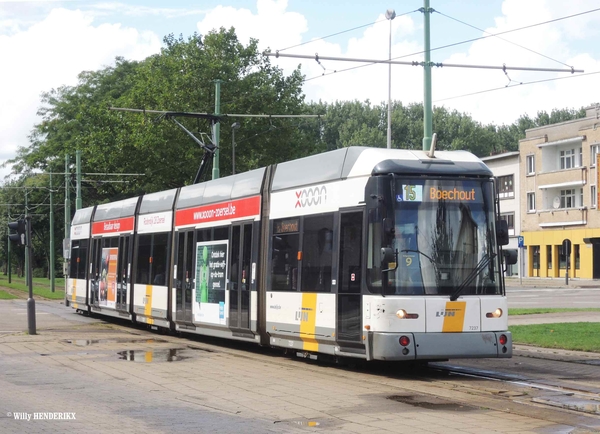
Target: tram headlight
{"x":495,"y":314}
{"x":402,"y":314}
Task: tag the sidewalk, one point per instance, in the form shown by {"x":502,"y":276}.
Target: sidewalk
{"x":551,"y":282}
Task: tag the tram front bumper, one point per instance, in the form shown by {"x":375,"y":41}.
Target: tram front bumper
{"x":438,"y":346}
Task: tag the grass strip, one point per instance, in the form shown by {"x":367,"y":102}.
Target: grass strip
{"x":535,"y":310}
{"x":6,"y":296}
{"x":41,"y":286}
{"x":578,"y":336}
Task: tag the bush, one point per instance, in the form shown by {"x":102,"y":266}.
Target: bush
{"x":40,"y":272}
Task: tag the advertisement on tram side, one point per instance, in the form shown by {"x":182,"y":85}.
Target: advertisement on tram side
{"x":108,"y":277}
{"x":211,"y":281}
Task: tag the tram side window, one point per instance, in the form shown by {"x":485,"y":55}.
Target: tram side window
{"x":317,"y":253}
{"x":144,"y":255}
{"x":78,"y":263}
{"x":221,"y":233}
{"x":284,"y":255}
{"x":214,"y":234}
{"x":153,"y":259}
{"x":374,"y":237}
{"x":160,"y":254}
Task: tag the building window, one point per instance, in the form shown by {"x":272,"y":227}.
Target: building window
{"x":594,"y":197}
{"x":505,"y":185}
{"x":530,"y":202}
{"x":530,"y":164}
{"x":593,"y":155}
{"x":510,"y":220}
{"x":563,"y":258}
{"x":549,"y":256}
{"x":567,"y":198}
{"x":535,"y":255}
{"x":580,"y":159}
{"x":567,"y":159}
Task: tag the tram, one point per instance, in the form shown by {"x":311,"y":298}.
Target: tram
{"x":369,"y":253}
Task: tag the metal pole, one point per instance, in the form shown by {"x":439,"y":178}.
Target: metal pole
{"x":67,"y":200}
{"x":390,"y":14}
{"x":26,"y":255}
{"x":30,"y":300}
{"x":8,"y":252}
{"x":51,"y":238}
{"x":521,"y":264}
{"x":78,"y":201}
{"x":233,"y":151}
{"x":217,"y":129}
{"x":427,"y":109}
{"x":234,"y":127}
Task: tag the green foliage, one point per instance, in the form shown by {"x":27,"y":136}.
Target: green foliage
{"x":6,"y":296}
{"x":579,"y":336}
{"x":180,"y":78}
{"x":534,"y":311}
{"x":41,"y":287}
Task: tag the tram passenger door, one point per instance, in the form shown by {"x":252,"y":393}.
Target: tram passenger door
{"x":184,"y":278}
{"x":349,"y":319}
{"x":239,"y":282}
{"x":94,"y":277}
{"x":123,"y":270}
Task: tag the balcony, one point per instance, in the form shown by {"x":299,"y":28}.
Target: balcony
{"x":562,"y":217}
{"x":576,"y":177}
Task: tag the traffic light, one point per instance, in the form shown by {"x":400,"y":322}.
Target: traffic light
{"x":20,"y":227}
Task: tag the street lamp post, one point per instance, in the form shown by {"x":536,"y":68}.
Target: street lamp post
{"x":234,"y":126}
{"x":390,"y":14}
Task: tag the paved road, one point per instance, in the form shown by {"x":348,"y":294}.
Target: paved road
{"x":123,"y":380}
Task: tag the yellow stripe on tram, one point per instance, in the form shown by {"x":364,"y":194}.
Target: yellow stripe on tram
{"x":148,"y":306}
{"x":74,"y":293}
{"x":454,"y":319}
{"x":308,"y":322}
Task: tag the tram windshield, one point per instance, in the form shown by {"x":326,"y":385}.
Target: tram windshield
{"x":445,"y":237}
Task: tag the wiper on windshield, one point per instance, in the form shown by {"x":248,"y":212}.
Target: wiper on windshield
{"x":484,"y":262}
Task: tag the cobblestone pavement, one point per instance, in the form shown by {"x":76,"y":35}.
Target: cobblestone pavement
{"x":117,"y":379}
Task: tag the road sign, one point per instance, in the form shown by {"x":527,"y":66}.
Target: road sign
{"x":521,"y":241}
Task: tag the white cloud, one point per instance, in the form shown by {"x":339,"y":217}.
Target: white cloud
{"x":278,"y":28}
{"x":47,"y":47}
{"x":51,"y":53}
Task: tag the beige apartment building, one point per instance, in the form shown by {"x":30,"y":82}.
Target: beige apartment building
{"x":559,"y":197}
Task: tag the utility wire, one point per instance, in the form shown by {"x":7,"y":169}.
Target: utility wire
{"x":524,"y":83}
{"x":345,"y":31}
{"x":505,"y":40}
{"x":460,"y":43}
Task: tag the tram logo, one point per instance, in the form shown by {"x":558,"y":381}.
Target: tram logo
{"x":447,"y":312}
{"x":311,"y":197}
{"x":302,"y":314}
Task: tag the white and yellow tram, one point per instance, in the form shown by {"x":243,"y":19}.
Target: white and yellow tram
{"x":359,"y":252}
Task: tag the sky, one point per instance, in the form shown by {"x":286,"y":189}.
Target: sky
{"x":45,"y":44}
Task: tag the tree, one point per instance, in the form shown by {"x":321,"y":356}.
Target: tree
{"x":180,"y":78}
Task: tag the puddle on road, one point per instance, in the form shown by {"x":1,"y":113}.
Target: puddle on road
{"x":571,"y":402}
{"x":152,"y":356}
{"x":303,"y":423}
{"x":88,"y":342}
{"x":430,"y":403}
